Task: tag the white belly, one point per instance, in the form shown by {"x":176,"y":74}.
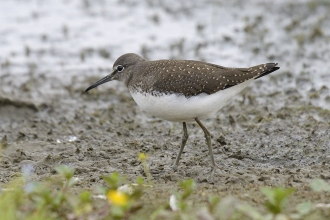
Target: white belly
{"x":181,"y":109}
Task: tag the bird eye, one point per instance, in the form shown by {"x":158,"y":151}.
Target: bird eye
{"x":120,"y":68}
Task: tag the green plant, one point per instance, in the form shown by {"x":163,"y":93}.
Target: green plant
{"x":319,"y":185}
{"x":143,"y":159}
{"x":124,"y":200}
{"x":276,"y":198}
{"x":177,"y":207}
{"x":54,"y":199}
{"x":50,"y":199}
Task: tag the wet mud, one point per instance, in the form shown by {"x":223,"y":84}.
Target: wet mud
{"x":275,"y":133}
{"x":253,"y":146}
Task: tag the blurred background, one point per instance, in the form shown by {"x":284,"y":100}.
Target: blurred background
{"x":46,"y":45}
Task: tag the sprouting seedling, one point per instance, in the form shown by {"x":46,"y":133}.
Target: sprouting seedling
{"x":276,"y":198}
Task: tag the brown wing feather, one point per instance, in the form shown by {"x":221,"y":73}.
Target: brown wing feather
{"x":194,"y":77}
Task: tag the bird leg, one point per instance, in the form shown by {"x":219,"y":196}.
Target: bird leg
{"x":208,"y":141}
{"x":184,"y":141}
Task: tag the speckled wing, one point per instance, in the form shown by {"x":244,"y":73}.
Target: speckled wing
{"x":191,"y":78}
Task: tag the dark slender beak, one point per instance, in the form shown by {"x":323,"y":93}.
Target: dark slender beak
{"x":101,"y":81}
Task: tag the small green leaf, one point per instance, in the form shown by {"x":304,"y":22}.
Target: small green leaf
{"x":140,"y":181}
{"x":85,"y":196}
{"x":250,"y":212}
{"x":276,"y":198}
{"x":188,"y":187}
{"x":319,"y":185}
{"x":72,"y":181}
{"x":113,"y":180}
{"x":304,"y":208}
{"x":213,"y":203}
{"x":65,"y":171}
{"x":117,"y":211}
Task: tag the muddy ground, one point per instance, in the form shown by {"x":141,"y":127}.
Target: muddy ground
{"x":275,"y":133}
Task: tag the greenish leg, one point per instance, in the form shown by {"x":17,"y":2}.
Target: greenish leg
{"x":184,"y":141}
{"x":208,"y":141}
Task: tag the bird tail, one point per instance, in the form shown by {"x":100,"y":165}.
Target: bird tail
{"x":269,"y":68}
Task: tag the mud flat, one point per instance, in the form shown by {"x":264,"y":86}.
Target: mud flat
{"x":275,"y":133}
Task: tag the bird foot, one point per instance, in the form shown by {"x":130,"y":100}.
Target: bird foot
{"x":175,"y":167}
{"x":211,"y":172}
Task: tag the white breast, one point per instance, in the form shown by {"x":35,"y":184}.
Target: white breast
{"x":181,"y":109}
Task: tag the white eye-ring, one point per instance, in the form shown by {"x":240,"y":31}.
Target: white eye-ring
{"x":120,"y":68}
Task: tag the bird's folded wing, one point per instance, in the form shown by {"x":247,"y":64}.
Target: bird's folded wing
{"x":191,"y":78}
